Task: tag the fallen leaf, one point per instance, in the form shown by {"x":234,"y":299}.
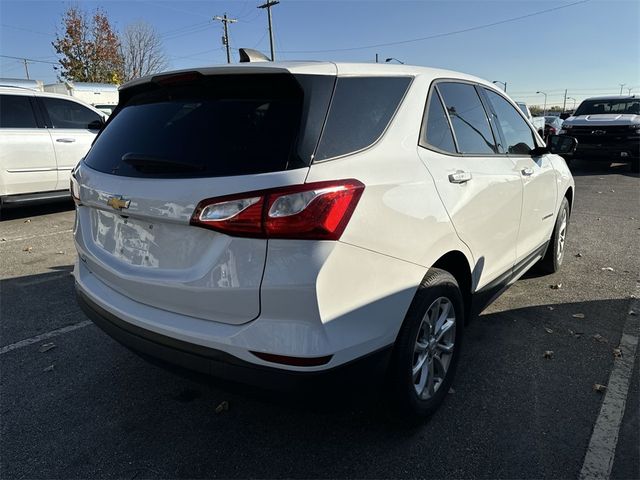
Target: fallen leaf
{"x":550,"y":308}
{"x":575,"y":334}
{"x":548,"y":330}
{"x":224,"y":405}
{"x":613,"y":191}
{"x":557,"y":286}
{"x":607,"y":269}
{"x":599,"y":192}
{"x":578,"y":315}
{"x":3,"y":239}
{"x":27,"y":249}
{"x":60,"y":253}
{"x":28,"y":220}
{"x":632,"y":312}
{"x":47,"y":346}
{"x":599,"y":388}
{"x":599,"y":338}
{"x":548,"y":354}
{"x":578,"y":255}
{"x":48,"y":369}
{"x":617,"y":353}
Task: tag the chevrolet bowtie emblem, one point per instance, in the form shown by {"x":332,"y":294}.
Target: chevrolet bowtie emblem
{"x":118,"y":203}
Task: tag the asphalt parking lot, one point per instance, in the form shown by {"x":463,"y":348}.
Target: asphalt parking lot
{"x":88,"y":408}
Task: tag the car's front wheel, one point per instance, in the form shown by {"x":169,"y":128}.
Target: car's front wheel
{"x":428,"y":346}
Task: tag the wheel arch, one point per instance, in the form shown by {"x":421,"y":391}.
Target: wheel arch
{"x":455,"y":262}
{"x":569,"y":196}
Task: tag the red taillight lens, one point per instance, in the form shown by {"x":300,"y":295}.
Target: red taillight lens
{"x":318,"y":211}
{"x":74,"y":189}
{"x":552,"y":130}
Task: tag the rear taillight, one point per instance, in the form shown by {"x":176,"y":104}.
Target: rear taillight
{"x":74,"y":189}
{"x":552,"y":131}
{"x":318,"y":211}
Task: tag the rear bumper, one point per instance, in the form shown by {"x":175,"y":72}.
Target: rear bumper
{"x":172,"y":353}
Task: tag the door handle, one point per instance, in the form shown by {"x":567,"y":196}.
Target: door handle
{"x":527,"y":172}
{"x":460,"y":176}
{"x":65,"y":140}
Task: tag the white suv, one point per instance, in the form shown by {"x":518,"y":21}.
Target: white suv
{"x":43,"y":136}
{"x":281,"y":220}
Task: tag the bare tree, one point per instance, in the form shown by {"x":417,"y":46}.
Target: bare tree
{"x":142,"y":51}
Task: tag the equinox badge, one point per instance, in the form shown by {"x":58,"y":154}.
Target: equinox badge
{"x":118,"y":203}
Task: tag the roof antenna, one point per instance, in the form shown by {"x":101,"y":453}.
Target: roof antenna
{"x":248,"y":55}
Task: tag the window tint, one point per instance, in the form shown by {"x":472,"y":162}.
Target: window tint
{"x":361,"y":109}
{"x":437,"y":130}
{"x":517,"y":134}
{"x":67,"y":114}
{"x":16,"y":112}
{"x":468,"y":118}
{"x":220,"y":125}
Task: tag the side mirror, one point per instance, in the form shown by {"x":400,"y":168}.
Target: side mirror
{"x":561,"y":144}
{"x":96,"y":125}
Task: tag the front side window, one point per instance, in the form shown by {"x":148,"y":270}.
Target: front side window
{"x":517,"y":134}
{"x":437,"y":132}
{"x":67,"y":114}
{"x":468,"y":118}
{"x":16,"y":112}
{"x":361,"y":109}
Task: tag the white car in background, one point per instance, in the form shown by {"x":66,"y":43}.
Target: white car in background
{"x":274,"y":221}
{"x":43,"y":136}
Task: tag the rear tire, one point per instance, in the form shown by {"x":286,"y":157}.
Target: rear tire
{"x":427,"y":349}
{"x":552,"y":260}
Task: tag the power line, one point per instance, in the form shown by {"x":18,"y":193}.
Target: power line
{"x":440,"y":35}
{"x":32,"y":60}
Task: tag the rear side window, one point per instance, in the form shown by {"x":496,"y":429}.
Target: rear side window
{"x":67,"y":114}
{"x":361,"y":109}
{"x":437,"y":131}
{"x":214,"y":126}
{"x":468,"y":118}
{"x":16,"y":112}
{"x":518,"y":136}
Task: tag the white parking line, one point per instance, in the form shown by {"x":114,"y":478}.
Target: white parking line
{"x":598,"y":461}
{"x":38,"y":338}
{"x":29,"y":237}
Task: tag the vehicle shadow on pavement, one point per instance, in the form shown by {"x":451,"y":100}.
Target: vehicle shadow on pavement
{"x":13,"y":213}
{"x":585,"y":168}
{"x":514,"y":411}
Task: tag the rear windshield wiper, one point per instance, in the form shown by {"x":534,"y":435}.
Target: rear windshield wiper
{"x":151,"y":164}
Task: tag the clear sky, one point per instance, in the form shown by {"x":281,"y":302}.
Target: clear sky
{"x":588,"y":47}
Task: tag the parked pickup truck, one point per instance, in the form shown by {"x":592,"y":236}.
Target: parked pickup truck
{"x":607,"y":128}
{"x":537,"y":122}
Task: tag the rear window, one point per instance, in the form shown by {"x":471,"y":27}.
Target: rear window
{"x":213,"y":126}
{"x":361,"y":109}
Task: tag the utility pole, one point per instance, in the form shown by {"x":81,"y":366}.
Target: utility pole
{"x":621,"y":85}
{"x":26,"y":67}
{"x":268,"y":5}
{"x":225,"y":39}
{"x":376,"y":58}
{"x":564,"y":104}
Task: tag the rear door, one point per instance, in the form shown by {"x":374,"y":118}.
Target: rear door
{"x":73,"y":128}
{"x":537,"y":173}
{"x":27,"y":159}
{"x":170,"y":145}
{"x":478,"y":184}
